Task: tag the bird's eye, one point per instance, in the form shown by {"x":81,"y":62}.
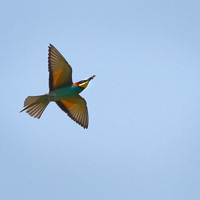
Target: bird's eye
{"x":81,"y":82}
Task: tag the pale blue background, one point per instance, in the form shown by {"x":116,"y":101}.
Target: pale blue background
{"x":143,"y":140}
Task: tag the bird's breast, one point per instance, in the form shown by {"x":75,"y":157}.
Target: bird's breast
{"x":64,"y":93}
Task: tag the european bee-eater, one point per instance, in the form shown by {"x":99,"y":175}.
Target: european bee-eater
{"x":61,"y":90}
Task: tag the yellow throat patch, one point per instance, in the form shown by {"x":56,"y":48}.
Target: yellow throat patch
{"x":84,"y":85}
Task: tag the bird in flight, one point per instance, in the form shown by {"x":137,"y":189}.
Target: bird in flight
{"x":61,"y":90}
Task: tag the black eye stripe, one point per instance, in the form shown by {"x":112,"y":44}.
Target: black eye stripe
{"x":80,"y":82}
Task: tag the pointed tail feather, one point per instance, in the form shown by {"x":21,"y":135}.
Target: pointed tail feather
{"x":35,"y":105}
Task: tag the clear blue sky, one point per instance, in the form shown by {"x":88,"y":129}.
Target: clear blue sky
{"x":143,"y":140}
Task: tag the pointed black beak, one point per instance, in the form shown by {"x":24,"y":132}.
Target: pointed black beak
{"x":89,"y":79}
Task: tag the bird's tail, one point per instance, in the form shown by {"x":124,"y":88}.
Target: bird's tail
{"x":35,"y":105}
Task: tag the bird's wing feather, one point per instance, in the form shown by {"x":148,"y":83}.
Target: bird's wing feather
{"x":76,"y":108}
{"x":60,"y":72}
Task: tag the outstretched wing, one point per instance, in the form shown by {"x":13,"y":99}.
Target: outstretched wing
{"x":76,"y":108}
{"x":60,"y":72}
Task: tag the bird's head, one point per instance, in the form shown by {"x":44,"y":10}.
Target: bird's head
{"x":83,"y":84}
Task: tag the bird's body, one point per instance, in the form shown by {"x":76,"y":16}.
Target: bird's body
{"x":65,"y":92}
{"x":62,"y":91}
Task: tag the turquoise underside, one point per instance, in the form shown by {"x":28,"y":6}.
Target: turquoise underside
{"x":65,"y":92}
